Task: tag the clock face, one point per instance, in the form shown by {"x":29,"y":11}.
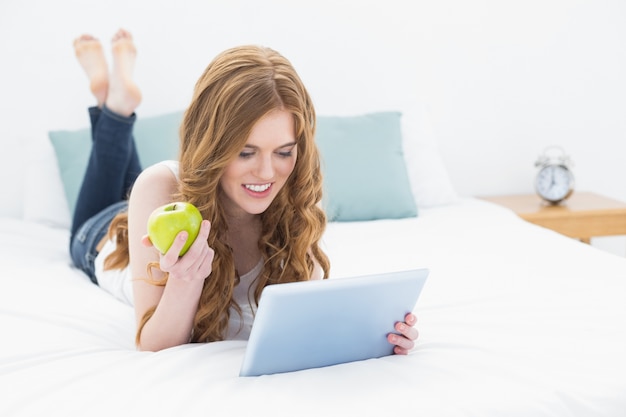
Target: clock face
{"x":554,"y":183}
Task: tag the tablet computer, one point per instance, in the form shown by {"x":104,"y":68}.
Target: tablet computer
{"x":312,"y":324}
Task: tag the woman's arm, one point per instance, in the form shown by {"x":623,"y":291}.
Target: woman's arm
{"x":176,"y":302}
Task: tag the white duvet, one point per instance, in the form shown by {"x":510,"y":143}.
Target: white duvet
{"x":514,"y":320}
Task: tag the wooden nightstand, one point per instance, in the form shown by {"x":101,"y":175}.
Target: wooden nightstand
{"x":583,"y":216}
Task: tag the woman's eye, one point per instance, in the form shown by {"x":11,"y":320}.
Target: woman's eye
{"x":245,"y":154}
{"x":285,"y":154}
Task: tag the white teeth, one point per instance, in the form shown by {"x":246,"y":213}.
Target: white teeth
{"x":258,"y":188}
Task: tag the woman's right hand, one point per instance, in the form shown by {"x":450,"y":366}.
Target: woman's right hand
{"x":195,"y":264}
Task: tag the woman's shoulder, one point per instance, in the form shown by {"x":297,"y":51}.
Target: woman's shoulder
{"x":172,"y":165}
{"x":160,"y":178}
{"x":164,"y":170}
{"x":153,"y":188}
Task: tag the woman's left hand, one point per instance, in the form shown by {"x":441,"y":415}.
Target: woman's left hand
{"x":404,"y":341}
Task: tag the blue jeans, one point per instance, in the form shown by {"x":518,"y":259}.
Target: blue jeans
{"x":112,"y":169}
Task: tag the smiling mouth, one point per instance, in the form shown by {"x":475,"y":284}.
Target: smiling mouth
{"x":258,"y":188}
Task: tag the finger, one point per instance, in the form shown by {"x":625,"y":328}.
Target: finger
{"x":171,"y":256}
{"x":205,"y":228}
{"x":145,"y":240}
{"x":400,"y":351}
{"x":198,"y":260}
{"x":410,"y":319}
{"x":402,"y":344}
{"x":206,"y":264}
{"x":200,"y":244}
{"x":203,"y":234}
{"x":407,"y":331}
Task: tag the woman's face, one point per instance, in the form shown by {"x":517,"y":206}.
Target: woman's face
{"x":254,"y":178}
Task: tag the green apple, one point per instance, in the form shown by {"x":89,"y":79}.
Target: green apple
{"x":167,"y":221}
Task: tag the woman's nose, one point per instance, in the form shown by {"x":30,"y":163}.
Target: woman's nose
{"x":265,"y":168}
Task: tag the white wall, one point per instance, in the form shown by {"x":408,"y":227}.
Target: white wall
{"x":502,"y":79}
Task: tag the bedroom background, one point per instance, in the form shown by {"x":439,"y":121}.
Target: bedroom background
{"x":500,"y":81}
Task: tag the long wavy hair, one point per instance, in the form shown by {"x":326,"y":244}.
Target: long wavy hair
{"x":239,"y":87}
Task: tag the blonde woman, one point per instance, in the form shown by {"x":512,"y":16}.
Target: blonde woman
{"x":247,"y":160}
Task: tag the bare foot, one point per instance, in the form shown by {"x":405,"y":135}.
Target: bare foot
{"x":90,"y":56}
{"x":124,"y":96}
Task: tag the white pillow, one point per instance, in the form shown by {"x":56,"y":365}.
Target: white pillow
{"x":11,"y":172}
{"x":430,"y":182}
{"x":44,"y":197}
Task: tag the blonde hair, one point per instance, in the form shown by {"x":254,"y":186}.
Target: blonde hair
{"x":239,"y":87}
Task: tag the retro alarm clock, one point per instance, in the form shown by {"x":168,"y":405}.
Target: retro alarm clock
{"x":554,"y":181}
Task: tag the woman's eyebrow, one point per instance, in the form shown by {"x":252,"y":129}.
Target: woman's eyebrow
{"x":279,"y":147}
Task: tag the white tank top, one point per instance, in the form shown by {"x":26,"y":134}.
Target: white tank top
{"x":118,"y":282}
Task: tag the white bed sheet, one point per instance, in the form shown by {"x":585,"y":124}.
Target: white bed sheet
{"x":514,"y":320}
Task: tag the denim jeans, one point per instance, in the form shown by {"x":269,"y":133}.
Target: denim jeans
{"x":112,"y":168}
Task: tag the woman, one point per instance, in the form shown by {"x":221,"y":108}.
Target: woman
{"x":247,"y":160}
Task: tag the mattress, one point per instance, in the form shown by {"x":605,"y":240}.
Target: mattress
{"x":514,"y":320}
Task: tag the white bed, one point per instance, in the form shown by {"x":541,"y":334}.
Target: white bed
{"x":514,"y":320}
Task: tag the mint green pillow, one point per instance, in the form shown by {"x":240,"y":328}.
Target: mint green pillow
{"x":156,"y":139}
{"x":365,"y":176}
